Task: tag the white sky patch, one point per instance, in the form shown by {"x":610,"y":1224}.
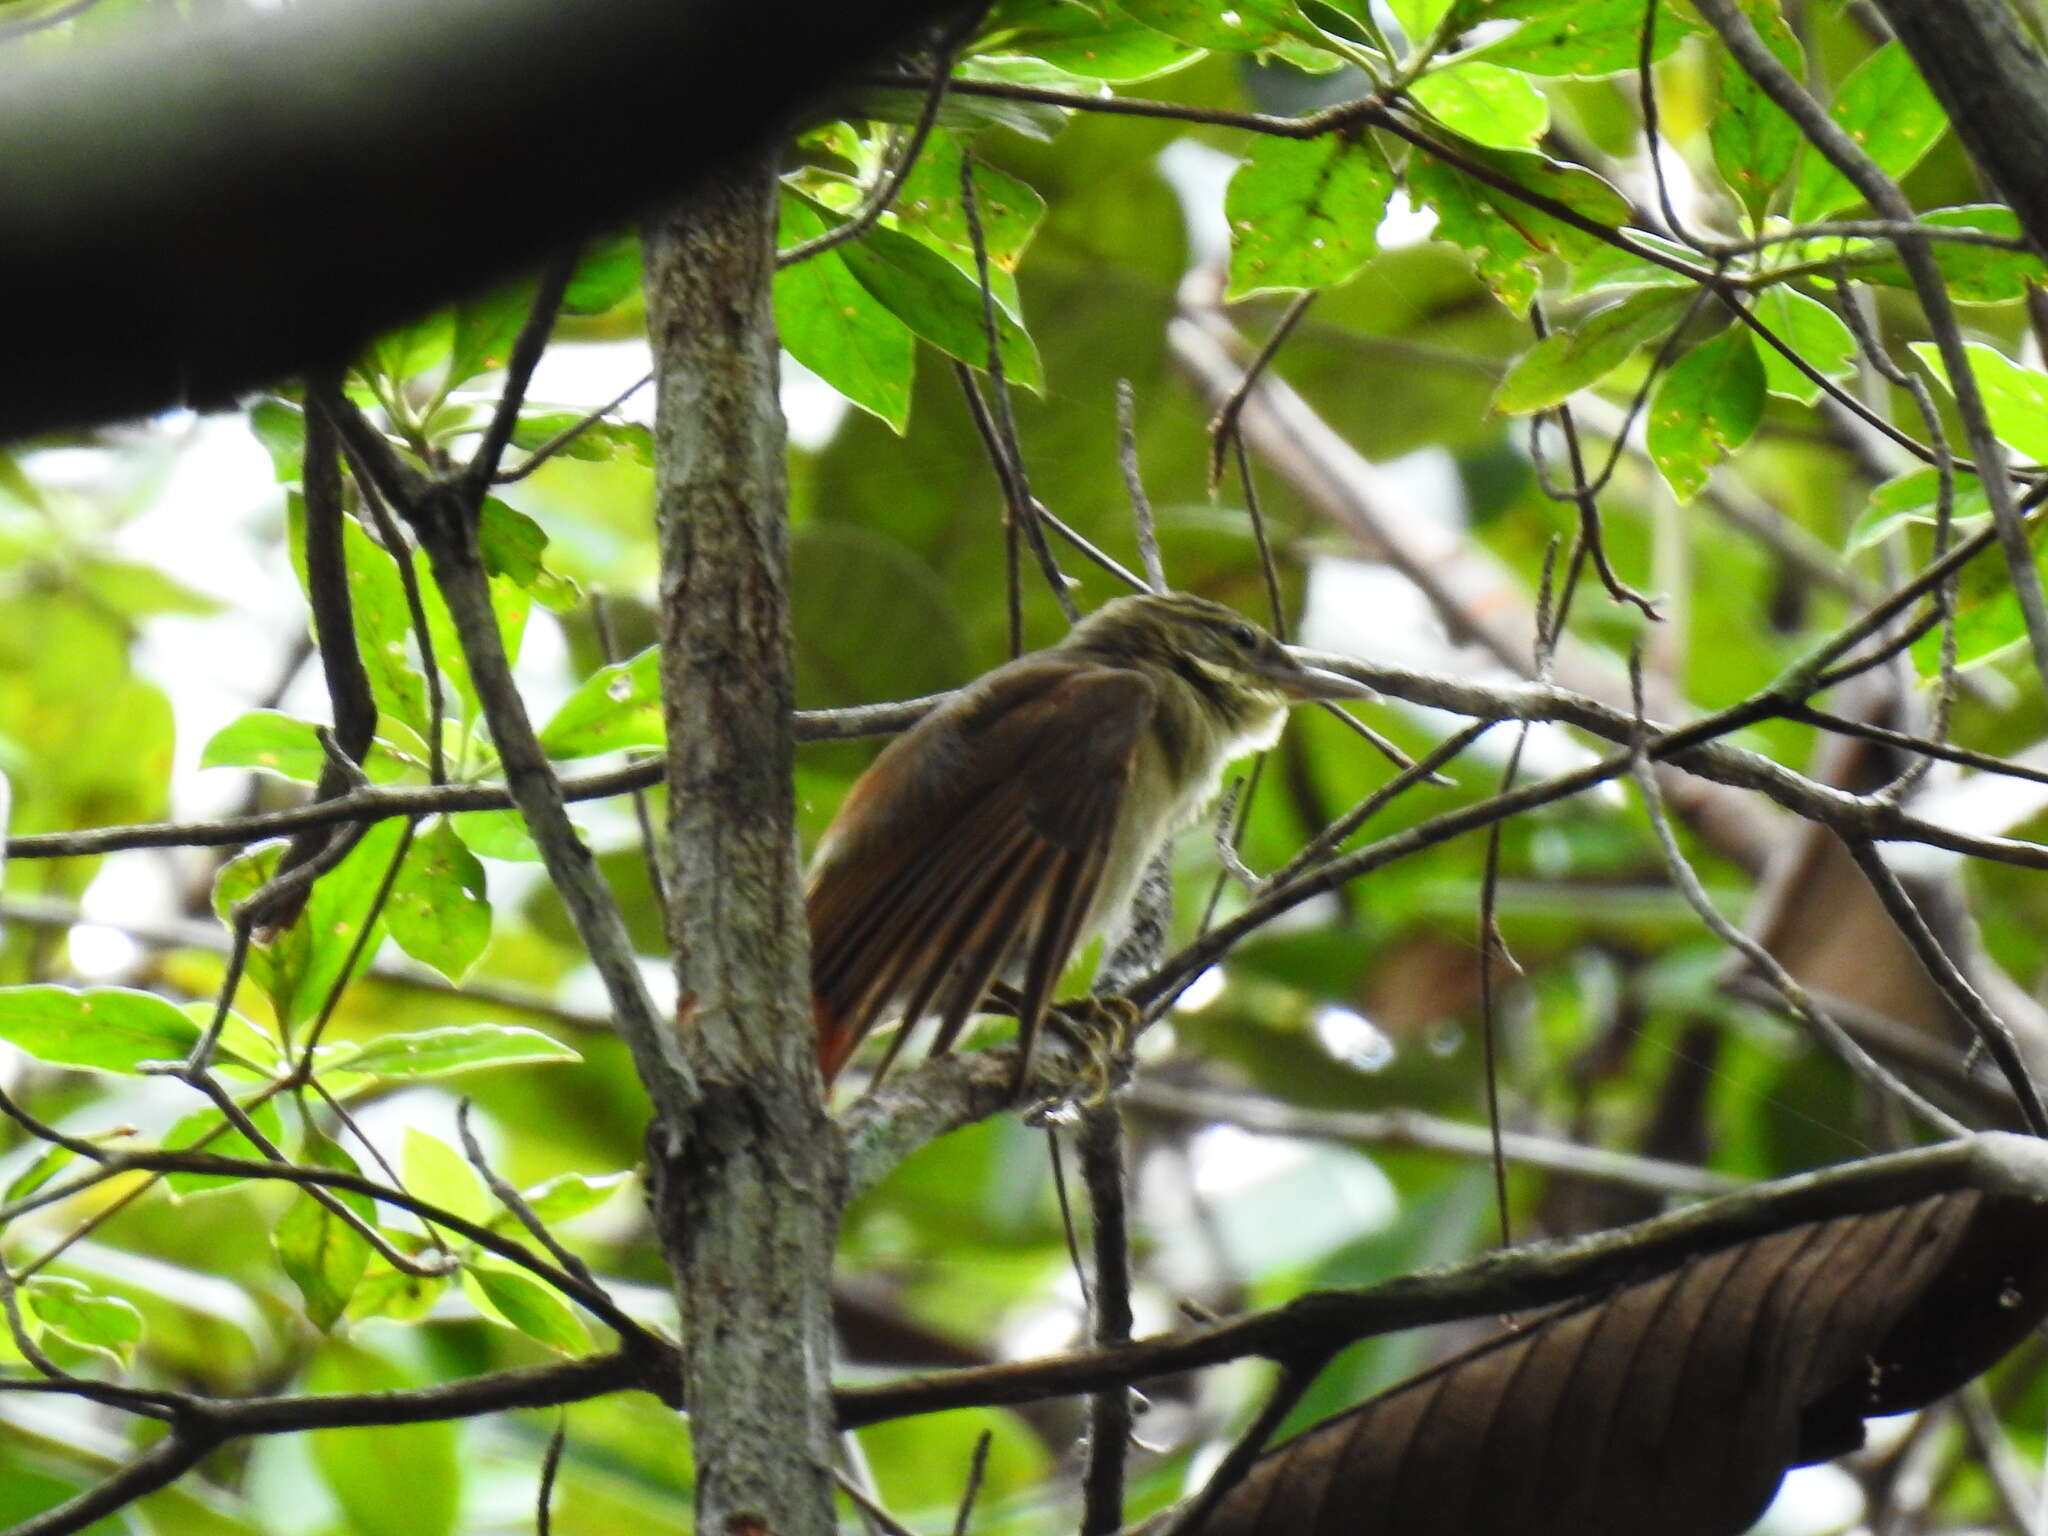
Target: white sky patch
{"x":1202,"y":991}
{"x":584,"y":375}
{"x":1350,"y":1037}
{"x":99,"y":952}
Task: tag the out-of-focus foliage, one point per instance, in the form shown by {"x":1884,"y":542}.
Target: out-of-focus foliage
{"x":1758,"y":517}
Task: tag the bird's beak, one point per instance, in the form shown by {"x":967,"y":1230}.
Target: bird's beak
{"x":1306,"y":684}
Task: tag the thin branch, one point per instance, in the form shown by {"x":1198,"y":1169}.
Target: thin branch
{"x":1854,"y":162}
{"x":526,"y":352}
{"x":890,"y":183}
{"x":1223,"y":424}
{"x":1101,"y":1145}
{"x":514,"y":1202}
{"x":1296,"y":1377}
{"x":1417,"y":1131}
{"x":1512,"y":1280}
{"x":1134,"y":485}
{"x":1991,"y":1031}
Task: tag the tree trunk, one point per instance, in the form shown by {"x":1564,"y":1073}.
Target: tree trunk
{"x":749,"y":1204}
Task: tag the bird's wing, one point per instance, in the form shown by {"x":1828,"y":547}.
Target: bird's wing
{"x":987,"y":829}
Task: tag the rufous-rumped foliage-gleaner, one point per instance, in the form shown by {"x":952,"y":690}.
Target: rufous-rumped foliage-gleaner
{"x":1014,"y":823}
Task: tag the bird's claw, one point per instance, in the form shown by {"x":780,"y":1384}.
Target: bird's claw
{"x":1101,"y":1031}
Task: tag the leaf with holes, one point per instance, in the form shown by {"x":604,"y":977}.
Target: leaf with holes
{"x":1886,"y":107}
{"x":1304,"y":213}
{"x":1708,"y":406}
{"x":299,"y":967}
{"x":1506,"y":238}
{"x":616,"y":708}
{"x":1245,"y":26}
{"x":1754,"y":142}
{"x":1579,"y":37}
{"x":1485,"y":103}
{"x":438,"y":912}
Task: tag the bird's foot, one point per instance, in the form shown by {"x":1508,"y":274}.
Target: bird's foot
{"x":1101,"y":1031}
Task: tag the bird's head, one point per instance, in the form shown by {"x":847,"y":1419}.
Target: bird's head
{"x":1229,"y":662}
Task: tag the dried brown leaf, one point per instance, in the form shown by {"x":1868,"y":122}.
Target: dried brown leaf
{"x":1675,"y":1403}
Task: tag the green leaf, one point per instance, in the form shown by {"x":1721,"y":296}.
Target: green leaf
{"x":498,"y":835}
{"x":938,"y":301}
{"x":485,"y":329}
{"x":53,"y":1161}
{"x":1485,"y":103}
{"x":280,"y":426}
{"x":270,"y":742}
{"x":438,"y":1174}
{"x":514,"y":546}
{"x":595,"y":442}
{"x":2015,"y":398}
{"x":1097,"y":47}
{"x":1249,"y":27}
{"x":299,"y":966}
{"x":563,"y":1198}
{"x":323,"y":1255}
{"x":1913,"y":498}
{"x":78,"y":1313}
{"x":392,"y":1293}
{"x":1707,"y":406}
{"x":1578,"y":37}
{"x":617,"y":707}
{"x":411,"y":350}
{"x":833,"y":326}
{"x":930,"y":207}
{"x":103,"y":1029}
{"x":607,"y":276}
{"x":437,"y":911}
{"x":1567,"y":361}
{"x":206,"y":1129}
{"x":1418,"y":18}
{"x":452,"y":1048}
{"x":1754,"y":141}
{"x":1508,"y":239}
{"x":1886,"y":108}
{"x":396,"y":1480}
{"x":1304,"y":213}
{"x":518,"y":1300}
{"x":1975,"y":274}
{"x":383,"y":624}
{"x":1812,"y":330}
{"x":1989,"y":621}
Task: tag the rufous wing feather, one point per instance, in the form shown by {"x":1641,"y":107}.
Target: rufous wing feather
{"x":972,"y":848}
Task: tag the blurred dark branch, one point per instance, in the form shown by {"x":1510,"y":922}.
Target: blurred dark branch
{"x":268,"y":191}
{"x":1428,"y":1133}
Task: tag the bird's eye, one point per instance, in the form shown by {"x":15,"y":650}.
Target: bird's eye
{"x":1244,"y":635}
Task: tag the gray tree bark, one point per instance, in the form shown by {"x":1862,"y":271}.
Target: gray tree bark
{"x":749,"y":1203}
{"x":1990,"y":77}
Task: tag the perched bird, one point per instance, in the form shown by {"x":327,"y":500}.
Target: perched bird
{"x":1012,"y":824}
